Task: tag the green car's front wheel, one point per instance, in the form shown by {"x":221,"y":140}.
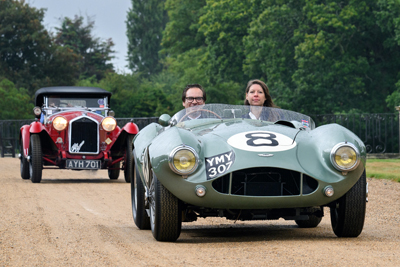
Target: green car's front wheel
{"x":165,"y":213}
{"x":348,"y":212}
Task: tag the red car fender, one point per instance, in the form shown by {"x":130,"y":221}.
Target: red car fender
{"x":24,"y":139}
{"x":130,"y":128}
{"x":25,"y":135}
{"x":36,"y":127}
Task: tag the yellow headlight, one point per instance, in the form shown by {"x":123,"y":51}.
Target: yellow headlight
{"x":345,"y":157}
{"x":109,"y":124}
{"x":183,"y":160}
{"x":60,"y":123}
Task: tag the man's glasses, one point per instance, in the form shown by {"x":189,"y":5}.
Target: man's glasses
{"x":191,"y":99}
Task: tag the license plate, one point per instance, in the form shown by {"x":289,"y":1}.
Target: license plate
{"x":83,"y":164}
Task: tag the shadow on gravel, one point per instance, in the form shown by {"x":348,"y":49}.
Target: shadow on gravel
{"x":254,"y":233}
{"x":81,"y":181}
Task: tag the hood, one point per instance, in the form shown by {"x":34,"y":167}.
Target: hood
{"x":70,"y":115}
{"x":256,"y":133}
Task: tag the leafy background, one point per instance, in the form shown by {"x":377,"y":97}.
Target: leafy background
{"x":317,"y":57}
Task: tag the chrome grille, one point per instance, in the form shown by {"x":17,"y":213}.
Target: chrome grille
{"x":84,"y":136}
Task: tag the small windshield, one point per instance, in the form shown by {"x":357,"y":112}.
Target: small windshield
{"x":57,"y":103}
{"x":223,"y":111}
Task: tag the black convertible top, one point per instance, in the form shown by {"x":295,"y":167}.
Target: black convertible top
{"x":66,"y":90}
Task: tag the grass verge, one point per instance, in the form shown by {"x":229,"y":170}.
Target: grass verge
{"x":384,"y":169}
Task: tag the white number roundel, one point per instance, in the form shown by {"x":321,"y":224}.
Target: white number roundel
{"x":261,"y":141}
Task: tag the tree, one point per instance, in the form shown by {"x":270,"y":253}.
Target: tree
{"x":133,"y":95}
{"x":94,"y":54}
{"x":326,"y":56}
{"x":224,"y":26}
{"x":15,"y":103}
{"x":28,"y":57}
{"x":182,"y":30}
{"x":145,"y":22}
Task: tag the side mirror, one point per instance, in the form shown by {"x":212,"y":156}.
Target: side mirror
{"x":164,"y":120}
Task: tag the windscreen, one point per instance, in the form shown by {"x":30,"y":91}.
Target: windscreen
{"x":225,"y":112}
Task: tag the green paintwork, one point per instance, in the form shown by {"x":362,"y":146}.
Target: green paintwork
{"x":208,"y":136}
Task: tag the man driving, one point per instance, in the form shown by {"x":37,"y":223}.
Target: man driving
{"x":193,"y":95}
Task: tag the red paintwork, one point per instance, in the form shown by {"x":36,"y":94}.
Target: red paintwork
{"x":55,"y":157}
{"x":131,"y":128}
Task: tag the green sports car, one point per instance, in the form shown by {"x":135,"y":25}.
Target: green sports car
{"x":214,"y":161}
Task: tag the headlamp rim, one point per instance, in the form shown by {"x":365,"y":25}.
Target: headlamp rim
{"x":66,"y":123}
{"x":334,"y":151}
{"x":176,"y":150}
{"x":109,"y":117}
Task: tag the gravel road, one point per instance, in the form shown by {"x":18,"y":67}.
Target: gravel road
{"x":84,"y":219}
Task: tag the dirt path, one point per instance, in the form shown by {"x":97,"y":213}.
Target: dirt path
{"x":84,"y":219}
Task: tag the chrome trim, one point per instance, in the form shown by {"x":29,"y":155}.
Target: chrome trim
{"x":171,"y":159}
{"x":266,"y":155}
{"x":69,"y":135}
{"x":336,"y":148}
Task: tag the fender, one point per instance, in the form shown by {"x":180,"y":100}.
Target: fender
{"x":130,"y":128}
{"x":25,"y":139}
{"x":36,"y":127}
{"x":26,"y":131}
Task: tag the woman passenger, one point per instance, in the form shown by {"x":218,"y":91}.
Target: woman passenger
{"x":257,"y":96}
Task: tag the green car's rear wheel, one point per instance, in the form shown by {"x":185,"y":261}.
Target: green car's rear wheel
{"x":348,"y":212}
{"x":165,"y":212}
{"x":128,"y":170}
{"x":139,"y":213}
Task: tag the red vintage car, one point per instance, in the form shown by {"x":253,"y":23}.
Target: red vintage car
{"x":75,"y":129}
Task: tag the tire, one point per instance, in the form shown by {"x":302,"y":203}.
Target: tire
{"x":165,"y":213}
{"x":348,"y":212}
{"x":36,"y":161}
{"x":128,"y":170}
{"x":113,"y":172}
{"x":138,"y":200}
{"x":24,"y":166}
{"x":312,"y":222}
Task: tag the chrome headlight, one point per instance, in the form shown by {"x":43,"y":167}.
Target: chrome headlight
{"x":183,"y":160}
{"x":345,"y":156}
{"x":109,"y":124}
{"x":60,"y":123}
{"x":37,"y":111}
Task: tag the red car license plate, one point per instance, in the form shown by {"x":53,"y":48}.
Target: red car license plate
{"x":82,"y":164}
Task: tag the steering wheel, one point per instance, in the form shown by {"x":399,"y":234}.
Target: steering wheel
{"x":197,"y":110}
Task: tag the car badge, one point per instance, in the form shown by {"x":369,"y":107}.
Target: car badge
{"x":266,"y":155}
{"x":75,"y":148}
{"x":108,"y":141}
{"x":59,"y":140}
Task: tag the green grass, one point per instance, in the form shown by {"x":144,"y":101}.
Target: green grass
{"x":384,"y":169}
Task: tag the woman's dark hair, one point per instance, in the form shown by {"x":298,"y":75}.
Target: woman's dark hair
{"x":190,"y":86}
{"x":268,"y":99}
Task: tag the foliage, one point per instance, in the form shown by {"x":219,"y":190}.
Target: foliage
{"x":28,"y":57}
{"x":224,"y":25}
{"x":181,"y":32}
{"x":93,"y":54}
{"x":15,"y":103}
{"x":133,"y":96}
{"x":145,"y":22}
{"x":326,"y":56}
